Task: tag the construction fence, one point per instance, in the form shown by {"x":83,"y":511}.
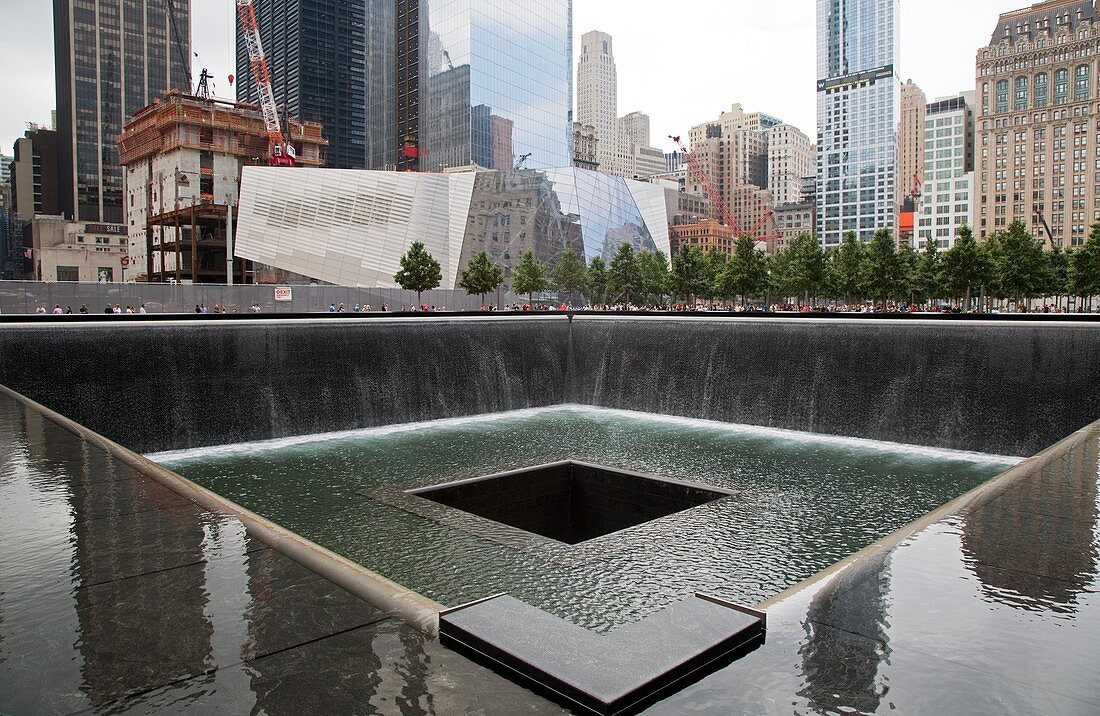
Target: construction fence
{"x":21,"y":297}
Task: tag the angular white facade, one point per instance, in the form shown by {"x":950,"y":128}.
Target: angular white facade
{"x":351,"y":227}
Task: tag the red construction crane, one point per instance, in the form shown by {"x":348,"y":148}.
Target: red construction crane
{"x":716,"y":198}
{"x":280,"y":150}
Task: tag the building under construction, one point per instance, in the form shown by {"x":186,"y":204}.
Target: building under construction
{"x":182,"y":158}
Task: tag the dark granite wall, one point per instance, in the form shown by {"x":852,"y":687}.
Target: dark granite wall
{"x":990,"y":387}
{"x":160,"y":386}
{"x":1010,"y":389}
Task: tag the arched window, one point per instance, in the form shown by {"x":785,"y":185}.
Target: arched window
{"x":1021,"y":94}
{"x":1002,"y":95}
{"x":1081,"y":83}
{"x":1041,"y":89}
{"x":1061,"y":86}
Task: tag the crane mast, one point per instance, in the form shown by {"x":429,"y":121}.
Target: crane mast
{"x":281,"y":151}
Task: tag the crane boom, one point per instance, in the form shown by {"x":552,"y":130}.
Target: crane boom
{"x":282,"y":153}
{"x":709,"y":188}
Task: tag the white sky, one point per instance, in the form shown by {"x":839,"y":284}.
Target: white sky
{"x":680,"y":65}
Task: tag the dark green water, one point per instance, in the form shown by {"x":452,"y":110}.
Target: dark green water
{"x":803,"y":502}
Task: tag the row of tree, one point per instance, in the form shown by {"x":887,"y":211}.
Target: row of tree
{"x":1010,"y":265}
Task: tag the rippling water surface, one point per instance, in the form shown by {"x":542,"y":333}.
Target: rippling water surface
{"x":803,"y":502}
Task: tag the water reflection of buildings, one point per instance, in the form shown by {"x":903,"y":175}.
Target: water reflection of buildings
{"x":847,"y":640}
{"x":1034,"y":547}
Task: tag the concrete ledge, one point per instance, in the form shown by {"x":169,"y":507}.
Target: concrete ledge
{"x":414,"y":609}
{"x":604,"y":674}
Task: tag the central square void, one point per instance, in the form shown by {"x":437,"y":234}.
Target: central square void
{"x":571,"y":501}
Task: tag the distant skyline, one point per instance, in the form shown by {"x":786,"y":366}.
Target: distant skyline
{"x":681,"y":69}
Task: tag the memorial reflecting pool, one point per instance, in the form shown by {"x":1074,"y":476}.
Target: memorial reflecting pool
{"x":801,"y":502}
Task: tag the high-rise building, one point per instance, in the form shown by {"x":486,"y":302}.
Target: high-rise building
{"x":38,"y":184}
{"x":5,"y":168}
{"x":584,"y":146}
{"x":911,"y":139}
{"x":1036,"y":114}
{"x":947,"y":196}
{"x":858,"y":113}
{"x":790,"y":158}
{"x":468,"y":82}
{"x":110,"y":60}
{"x":316,"y":55}
{"x":597,"y":94}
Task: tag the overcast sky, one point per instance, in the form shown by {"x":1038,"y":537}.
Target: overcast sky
{"x":681,"y":64}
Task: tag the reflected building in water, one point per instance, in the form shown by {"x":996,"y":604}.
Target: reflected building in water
{"x":351,"y":227}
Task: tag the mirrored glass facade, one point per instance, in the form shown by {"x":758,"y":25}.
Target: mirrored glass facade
{"x":858,"y":117}
{"x":452,"y":83}
{"x":351,"y":227}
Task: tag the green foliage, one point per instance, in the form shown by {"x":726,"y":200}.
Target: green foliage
{"x":926,"y":278}
{"x":1057,"y":273}
{"x":715,"y":265}
{"x":882,"y":269}
{"x":570,"y":274}
{"x":1084,"y":266}
{"x":807,"y":266}
{"x":530,"y":277}
{"x":419,"y":270}
{"x":1019,"y":263}
{"x":689,"y":273}
{"x":481,"y":277}
{"x":624,"y":280}
{"x":779,"y":274}
{"x":744,"y":275}
{"x":846,"y":268}
{"x":596,"y":281}
{"x":653,"y":269}
{"x":909,"y":266}
{"x":964,"y":267}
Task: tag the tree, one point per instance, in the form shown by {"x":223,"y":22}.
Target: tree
{"x":596,"y":280}
{"x":882,"y":270}
{"x":926,"y":280}
{"x":689,"y":273}
{"x":807,"y":266}
{"x":963,"y":267}
{"x":1084,"y":267}
{"x":653,"y":269}
{"x":419,"y":271}
{"x":623,"y":278}
{"x":780,"y":282}
{"x":715,"y":265}
{"x":570,"y":274}
{"x":480,"y":276}
{"x":1019,"y":263}
{"x":847,"y":267}
{"x":908,"y":270}
{"x":530,"y":277}
{"x":1057,"y":274}
{"x":746,"y":274}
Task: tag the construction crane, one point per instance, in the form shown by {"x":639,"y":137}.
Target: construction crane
{"x":716,"y":198}
{"x":917,"y":183}
{"x":520,"y":161}
{"x":280,"y":150}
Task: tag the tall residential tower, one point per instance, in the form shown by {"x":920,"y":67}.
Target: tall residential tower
{"x":110,"y":60}
{"x":858,"y":113}
{"x":597,"y":95}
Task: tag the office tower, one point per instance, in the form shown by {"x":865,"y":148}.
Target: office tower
{"x":790,"y":160}
{"x":468,"y":82}
{"x":316,"y":55}
{"x":597,"y":95}
{"x":911,"y":139}
{"x":947,"y":195}
{"x":1036,"y":114}
{"x":110,"y":60}
{"x":858,"y":97}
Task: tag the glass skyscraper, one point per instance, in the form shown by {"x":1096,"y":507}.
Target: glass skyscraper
{"x":858,"y":117}
{"x":111,"y":59}
{"x":315,"y":51}
{"x":458,"y":82}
